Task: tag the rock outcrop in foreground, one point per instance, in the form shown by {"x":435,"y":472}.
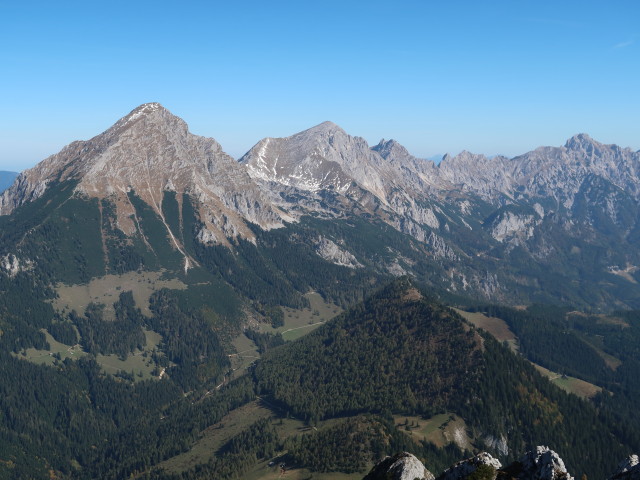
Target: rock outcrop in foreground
{"x":465,"y":468}
{"x":542,"y":463}
{"x":628,"y":469}
{"x":402,"y":466}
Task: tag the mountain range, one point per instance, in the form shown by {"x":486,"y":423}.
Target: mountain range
{"x":558,"y":224}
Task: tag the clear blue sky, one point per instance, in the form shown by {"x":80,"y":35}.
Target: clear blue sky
{"x":486,"y":76}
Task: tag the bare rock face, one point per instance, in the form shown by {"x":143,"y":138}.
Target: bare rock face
{"x":402,"y":466}
{"x":12,"y":265}
{"x":331,"y":252}
{"x":464,"y":468}
{"x":511,"y":225}
{"x":628,"y":469}
{"x":151,"y":151}
{"x":486,"y":177}
{"x":539,"y":464}
{"x":499,"y":444}
{"x":424,"y":174}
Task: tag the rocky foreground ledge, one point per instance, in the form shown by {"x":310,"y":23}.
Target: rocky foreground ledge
{"x":539,"y":464}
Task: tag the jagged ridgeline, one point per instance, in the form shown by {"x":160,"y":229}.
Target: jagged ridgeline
{"x":403,"y":353}
{"x":558,"y":224}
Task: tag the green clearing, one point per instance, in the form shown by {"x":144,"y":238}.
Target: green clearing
{"x":46,"y":357}
{"x":136,"y":363}
{"x":501,"y":331}
{"x":602,"y":319}
{"x":107,"y":289}
{"x":570,"y":384}
{"x":440,"y":429}
{"x":495,"y":326}
{"x":299,"y":322}
{"x":246,"y":354}
{"x":612,"y":362}
{"x":213,"y":437}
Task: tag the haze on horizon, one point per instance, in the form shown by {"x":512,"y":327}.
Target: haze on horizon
{"x":504,"y":78}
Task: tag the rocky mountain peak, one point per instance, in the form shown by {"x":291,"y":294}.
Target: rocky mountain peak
{"x":391,"y":149}
{"x":143,"y":110}
{"x":326,"y":132}
{"x":462,"y":161}
{"x":150,"y":151}
{"x":581,"y":141}
{"x":323,"y":157}
{"x":477,"y":173}
{"x":145,"y":119}
{"x":326,"y":126}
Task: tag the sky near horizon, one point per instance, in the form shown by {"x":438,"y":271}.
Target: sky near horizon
{"x":439,"y":77}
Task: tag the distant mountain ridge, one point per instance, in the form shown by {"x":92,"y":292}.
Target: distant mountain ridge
{"x":498,"y":228}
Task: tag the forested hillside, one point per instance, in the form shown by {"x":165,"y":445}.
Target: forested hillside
{"x":381,"y":356}
{"x":394,"y":352}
